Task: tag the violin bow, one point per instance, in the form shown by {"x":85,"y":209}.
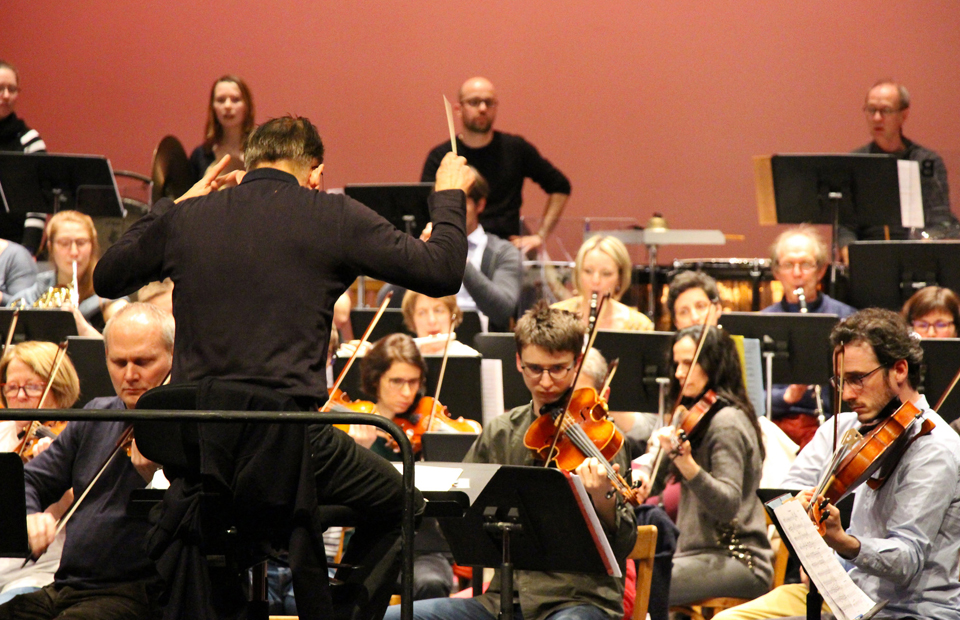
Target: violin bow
{"x":696,"y":357}
{"x":366,"y":335}
{"x":583,"y":356}
{"x":611,"y":371}
{"x":32,"y":428}
{"x":10,"y":330}
{"x":443,"y":369}
{"x":453,"y":133}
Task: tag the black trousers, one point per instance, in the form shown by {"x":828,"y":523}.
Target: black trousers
{"x":132,"y":601}
{"x":352,"y":476}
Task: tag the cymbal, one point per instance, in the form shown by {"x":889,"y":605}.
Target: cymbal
{"x":171,"y":169}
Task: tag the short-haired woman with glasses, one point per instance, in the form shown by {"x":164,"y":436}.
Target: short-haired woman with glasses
{"x":933,"y":312}
{"x":72,"y":238}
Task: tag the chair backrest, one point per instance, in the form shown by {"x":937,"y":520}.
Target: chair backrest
{"x":643,"y":553}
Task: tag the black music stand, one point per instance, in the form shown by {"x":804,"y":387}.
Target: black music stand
{"x":90,"y":360}
{"x":462,"y":397}
{"x":516,"y":523}
{"x":644,"y":370}
{"x":45,"y":183}
{"x":13,"y":517}
{"x":854,"y":189}
{"x":795,"y":346}
{"x":51,"y":325}
{"x":940,"y":358}
{"x":885,"y":274}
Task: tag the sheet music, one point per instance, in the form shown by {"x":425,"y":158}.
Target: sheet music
{"x":911,"y":200}
{"x":491,"y":385}
{"x":430,"y":478}
{"x":591,"y":514}
{"x":753,"y":373}
{"x":846,"y":600}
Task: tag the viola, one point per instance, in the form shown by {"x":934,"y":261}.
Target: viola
{"x":878,"y":452}
{"x":339,"y":397}
{"x":689,"y":420}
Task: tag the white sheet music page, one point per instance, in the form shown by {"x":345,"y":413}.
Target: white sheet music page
{"x":845,"y":599}
{"x":911,"y":200}
{"x":590,"y":513}
{"x":491,"y":386}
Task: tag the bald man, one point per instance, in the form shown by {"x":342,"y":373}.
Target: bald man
{"x":886,"y":107}
{"x":505,"y":160}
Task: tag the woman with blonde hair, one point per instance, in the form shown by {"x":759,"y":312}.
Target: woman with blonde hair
{"x":603,"y":266}
{"x":72,"y":239}
{"x":24,"y":371}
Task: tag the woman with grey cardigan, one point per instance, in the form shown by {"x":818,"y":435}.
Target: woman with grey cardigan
{"x":723,"y":548}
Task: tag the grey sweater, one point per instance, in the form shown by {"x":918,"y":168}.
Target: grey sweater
{"x":719,"y":509}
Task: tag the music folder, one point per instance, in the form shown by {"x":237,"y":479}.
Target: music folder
{"x":13,"y":516}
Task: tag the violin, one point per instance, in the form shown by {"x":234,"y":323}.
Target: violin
{"x":576,"y":427}
{"x":429,"y":416}
{"x":878,"y":452}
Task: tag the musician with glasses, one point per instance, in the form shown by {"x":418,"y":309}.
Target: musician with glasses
{"x":548,"y":347}
{"x":933,"y":312}
{"x":886,"y":108}
{"x":800,"y":259}
{"x":505,"y":160}
{"x":904,"y":537}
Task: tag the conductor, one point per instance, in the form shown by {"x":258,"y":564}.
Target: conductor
{"x":258,"y":267}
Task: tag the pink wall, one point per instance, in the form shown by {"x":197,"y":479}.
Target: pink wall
{"x":646,"y":105}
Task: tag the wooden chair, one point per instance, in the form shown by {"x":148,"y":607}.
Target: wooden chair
{"x":643,"y":552}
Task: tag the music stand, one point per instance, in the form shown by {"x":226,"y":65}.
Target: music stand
{"x":644,"y":358}
{"x":854,"y":190}
{"x":462,"y":397}
{"x":402,"y":204}
{"x":90,"y":360}
{"x":508,"y":527}
{"x":940,"y":356}
{"x":50,"y":325}
{"x":392,"y":322}
{"x":45,"y":183}
{"x":446,"y":447}
{"x":795,"y":346}
{"x":885,"y":274}
{"x":13,"y":517}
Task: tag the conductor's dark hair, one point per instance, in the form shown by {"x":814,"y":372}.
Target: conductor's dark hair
{"x":292,"y":138}
{"x":888,"y":335}
{"x":720,"y":361}
{"x":557,"y":331}
{"x":480,"y":188}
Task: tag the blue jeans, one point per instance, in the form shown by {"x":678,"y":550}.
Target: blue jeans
{"x":471,"y":609}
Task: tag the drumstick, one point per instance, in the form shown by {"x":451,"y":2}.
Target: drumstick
{"x":453,"y":134}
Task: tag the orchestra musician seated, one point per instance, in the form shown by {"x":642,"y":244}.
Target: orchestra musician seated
{"x":74,"y":251}
{"x":603,"y":266}
{"x":25,"y":371}
{"x":394,"y":373}
{"x":230,"y":119}
{"x":159,"y":294}
{"x":800,"y":258}
{"x":689,"y":298}
{"x":718,"y":461}
{"x":904,"y":536}
{"x":933,"y":312}
{"x":549,"y":342}
{"x":104,"y":571}
{"x":18,"y":270}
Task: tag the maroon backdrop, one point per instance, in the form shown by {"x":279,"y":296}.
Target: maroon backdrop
{"x":647,"y":106}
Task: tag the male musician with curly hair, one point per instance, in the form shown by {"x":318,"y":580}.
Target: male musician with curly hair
{"x":904,"y":537}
